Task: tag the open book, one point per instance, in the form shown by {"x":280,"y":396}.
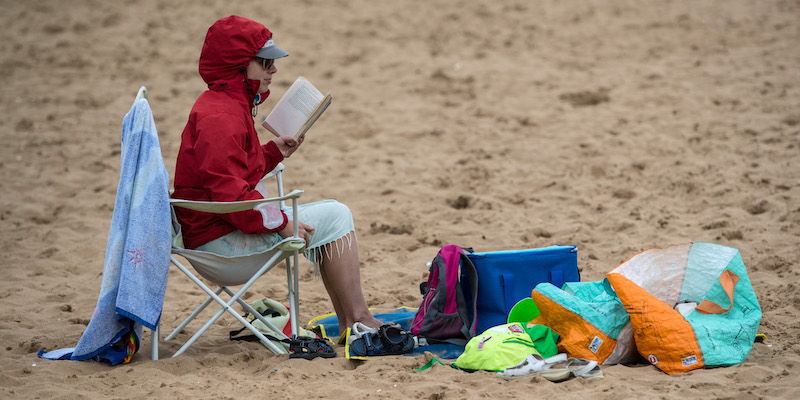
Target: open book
{"x":297,"y":110}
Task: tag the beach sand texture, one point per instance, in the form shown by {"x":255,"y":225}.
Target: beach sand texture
{"x":615,"y":126}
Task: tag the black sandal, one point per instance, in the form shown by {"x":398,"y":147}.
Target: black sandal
{"x":387,"y":341}
{"x":310,"y":348}
{"x":396,"y":340}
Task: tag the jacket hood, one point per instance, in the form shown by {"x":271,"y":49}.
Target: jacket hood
{"x":229,"y":46}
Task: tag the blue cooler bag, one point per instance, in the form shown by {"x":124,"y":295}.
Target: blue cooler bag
{"x":506,"y":277}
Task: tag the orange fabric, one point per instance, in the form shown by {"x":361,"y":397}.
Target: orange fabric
{"x":728,"y":280}
{"x":576,"y":336}
{"x":662,"y":334}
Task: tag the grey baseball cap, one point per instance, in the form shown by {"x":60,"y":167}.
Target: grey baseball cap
{"x":271,"y":51}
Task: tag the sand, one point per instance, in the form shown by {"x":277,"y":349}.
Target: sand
{"x":615,"y":126}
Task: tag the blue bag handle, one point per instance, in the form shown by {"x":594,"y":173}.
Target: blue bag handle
{"x":507,"y":280}
{"x":557,"y":278}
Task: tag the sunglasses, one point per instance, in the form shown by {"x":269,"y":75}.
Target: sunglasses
{"x":265,"y":62}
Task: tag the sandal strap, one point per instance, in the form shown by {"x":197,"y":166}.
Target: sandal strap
{"x":560,"y":357}
{"x":581,"y":366}
{"x":360,"y":329}
{"x":391,"y":344}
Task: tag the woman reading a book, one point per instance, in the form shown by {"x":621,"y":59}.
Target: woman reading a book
{"x":221,"y":159}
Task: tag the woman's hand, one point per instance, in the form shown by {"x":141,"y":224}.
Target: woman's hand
{"x":303,"y":231}
{"x":287,"y":145}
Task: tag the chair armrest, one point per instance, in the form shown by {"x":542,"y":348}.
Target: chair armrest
{"x":278,"y":169}
{"x":231,"y":206}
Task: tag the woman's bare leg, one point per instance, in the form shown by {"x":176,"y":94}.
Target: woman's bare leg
{"x":342,"y":279}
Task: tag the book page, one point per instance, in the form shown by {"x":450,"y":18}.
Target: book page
{"x":294,"y":108}
{"x":323,"y":105}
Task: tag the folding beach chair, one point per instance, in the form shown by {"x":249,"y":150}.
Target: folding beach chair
{"x":225,"y":271}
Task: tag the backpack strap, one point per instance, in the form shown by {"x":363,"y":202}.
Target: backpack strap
{"x":471,"y":273}
{"x":451,"y":255}
{"x":253,"y":338}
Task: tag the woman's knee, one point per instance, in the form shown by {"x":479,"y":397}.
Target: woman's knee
{"x":340,"y":210}
{"x":329,"y":210}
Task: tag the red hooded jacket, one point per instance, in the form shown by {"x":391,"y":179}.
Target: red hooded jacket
{"x":221,"y":158}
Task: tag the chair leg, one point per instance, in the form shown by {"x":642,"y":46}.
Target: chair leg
{"x":296,"y":291}
{"x":154,"y":343}
{"x":293,"y":280}
{"x":292,"y":272}
{"x":226,"y":306}
{"x":192,"y":316}
{"x":199,"y":332}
